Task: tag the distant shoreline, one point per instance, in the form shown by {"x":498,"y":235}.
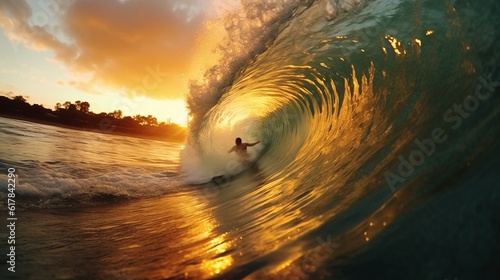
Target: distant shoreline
{"x":113,"y":132}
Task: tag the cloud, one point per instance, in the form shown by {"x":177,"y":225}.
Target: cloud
{"x":142,"y":47}
{"x":15,"y":20}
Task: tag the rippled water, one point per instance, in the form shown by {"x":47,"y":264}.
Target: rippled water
{"x":378,"y":159}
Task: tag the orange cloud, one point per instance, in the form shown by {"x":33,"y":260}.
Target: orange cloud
{"x":143,"y":47}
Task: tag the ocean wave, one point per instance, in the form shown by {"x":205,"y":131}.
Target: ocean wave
{"x":339,"y":101}
{"x":56,"y":184}
{"x":226,"y":105}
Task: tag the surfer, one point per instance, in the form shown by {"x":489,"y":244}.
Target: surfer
{"x":241,"y":148}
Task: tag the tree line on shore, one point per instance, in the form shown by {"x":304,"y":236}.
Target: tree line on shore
{"x":78,"y":115}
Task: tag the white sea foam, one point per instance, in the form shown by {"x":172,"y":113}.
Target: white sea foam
{"x":52,"y":185}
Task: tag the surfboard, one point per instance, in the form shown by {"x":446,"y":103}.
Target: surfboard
{"x":221,"y":179}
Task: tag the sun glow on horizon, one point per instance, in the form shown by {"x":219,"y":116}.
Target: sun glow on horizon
{"x":133,"y":56}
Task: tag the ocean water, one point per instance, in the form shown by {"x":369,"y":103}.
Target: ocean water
{"x":379,"y":158}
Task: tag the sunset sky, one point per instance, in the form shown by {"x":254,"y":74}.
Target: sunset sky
{"x":136,"y":56}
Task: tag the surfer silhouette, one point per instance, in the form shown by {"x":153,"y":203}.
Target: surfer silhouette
{"x":241,"y":148}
